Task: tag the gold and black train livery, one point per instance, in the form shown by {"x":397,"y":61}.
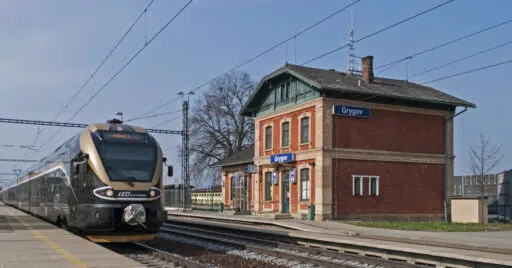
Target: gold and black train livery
{"x":105,"y":182}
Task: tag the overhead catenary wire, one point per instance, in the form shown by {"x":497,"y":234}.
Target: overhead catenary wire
{"x":159,"y":107}
{"x":167,"y":121}
{"x":469,"y":71}
{"x":294,"y":36}
{"x":393,"y":63}
{"x":378,"y":32}
{"x":448,"y":77}
{"x":152,"y":116}
{"x":98,"y":68}
{"x":461,"y":59}
{"x":122,"y":68}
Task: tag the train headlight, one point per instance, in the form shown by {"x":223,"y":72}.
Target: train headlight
{"x":152,"y":193}
{"x":109,"y":192}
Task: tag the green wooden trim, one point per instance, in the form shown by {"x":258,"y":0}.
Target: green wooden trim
{"x":263,"y":85}
{"x":300,"y":92}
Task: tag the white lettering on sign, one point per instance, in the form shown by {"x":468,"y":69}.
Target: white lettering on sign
{"x":352,"y":112}
{"x":130,"y":194}
{"x":280,"y":158}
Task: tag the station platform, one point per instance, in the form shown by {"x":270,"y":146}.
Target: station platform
{"x":27,"y":241}
{"x":494,"y":247}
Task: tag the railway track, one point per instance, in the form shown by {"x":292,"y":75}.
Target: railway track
{"x":153,"y":257}
{"x":272,"y":247}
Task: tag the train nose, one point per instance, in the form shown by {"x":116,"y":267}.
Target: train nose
{"x":134,"y":214}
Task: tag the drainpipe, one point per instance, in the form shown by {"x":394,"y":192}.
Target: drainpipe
{"x":446,"y":161}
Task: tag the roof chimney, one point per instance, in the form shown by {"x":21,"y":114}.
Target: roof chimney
{"x":368,"y":69}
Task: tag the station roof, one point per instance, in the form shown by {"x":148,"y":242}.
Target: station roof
{"x":332,"y":81}
{"x":242,"y":157}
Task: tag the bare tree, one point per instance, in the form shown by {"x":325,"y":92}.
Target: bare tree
{"x":483,"y":159}
{"x":217,"y":129}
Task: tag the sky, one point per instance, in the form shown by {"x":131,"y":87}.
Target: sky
{"x":50,"y":48}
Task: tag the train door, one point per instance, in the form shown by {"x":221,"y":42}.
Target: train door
{"x":77,"y":178}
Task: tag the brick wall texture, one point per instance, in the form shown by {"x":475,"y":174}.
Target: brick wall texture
{"x":294,"y":129}
{"x":390,"y":131}
{"x":404,"y":188}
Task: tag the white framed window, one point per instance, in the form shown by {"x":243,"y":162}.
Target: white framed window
{"x":357,"y":185}
{"x":232,"y":188}
{"x":304,"y":134}
{"x":268,"y":137}
{"x":304,"y":184}
{"x":373,"y":186}
{"x":285,"y":134}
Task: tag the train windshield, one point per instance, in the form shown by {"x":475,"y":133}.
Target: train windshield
{"x":128,"y":162}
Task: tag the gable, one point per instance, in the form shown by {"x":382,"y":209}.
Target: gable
{"x":279,"y":92}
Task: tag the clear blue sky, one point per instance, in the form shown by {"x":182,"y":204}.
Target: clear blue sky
{"x":50,"y":48}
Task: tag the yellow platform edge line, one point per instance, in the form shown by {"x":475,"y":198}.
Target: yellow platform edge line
{"x":120,"y":238}
{"x":52,"y":244}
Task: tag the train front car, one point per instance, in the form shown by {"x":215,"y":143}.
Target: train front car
{"x":118,"y":184}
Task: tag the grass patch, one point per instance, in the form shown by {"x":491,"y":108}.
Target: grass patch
{"x":436,"y":226}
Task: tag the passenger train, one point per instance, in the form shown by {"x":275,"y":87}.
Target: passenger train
{"x":104,"y":183}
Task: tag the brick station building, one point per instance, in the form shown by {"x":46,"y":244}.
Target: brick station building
{"x":351,"y":146}
{"x":237,"y":193}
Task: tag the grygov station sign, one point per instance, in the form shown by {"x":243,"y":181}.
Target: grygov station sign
{"x":281,"y":158}
{"x":351,"y":111}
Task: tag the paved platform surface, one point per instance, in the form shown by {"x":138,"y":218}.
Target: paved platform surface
{"x":493,"y":247}
{"x":27,"y":241}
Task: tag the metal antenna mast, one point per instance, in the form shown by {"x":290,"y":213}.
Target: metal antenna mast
{"x":350,"y":64}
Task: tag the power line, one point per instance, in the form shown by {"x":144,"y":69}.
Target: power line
{"x":461,"y":59}
{"x":165,"y":122}
{"x":107,"y":56}
{"x":151,"y":116}
{"x":276,"y":45}
{"x":467,"y":72}
{"x":122,"y":68}
{"x":159,"y":106}
{"x":377,"y":32}
{"x":98,"y":67}
{"x":18,"y":160}
{"x":444,"y":44}
{"x":30,"y":147}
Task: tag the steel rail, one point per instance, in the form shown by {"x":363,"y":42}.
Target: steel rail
{"x":299,"y":248}
{"x":224,"y":239}
{"x":171,"y":257}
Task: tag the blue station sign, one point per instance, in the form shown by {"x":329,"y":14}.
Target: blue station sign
{"x":281,"y":158}
{"x":351,"y":111}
